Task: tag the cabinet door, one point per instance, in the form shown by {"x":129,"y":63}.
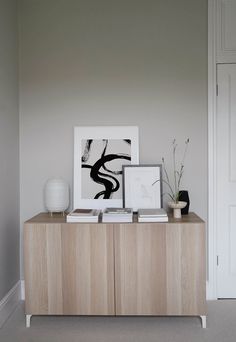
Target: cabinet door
{"x":69,"y":269}
{"x":185,"y":269}
{"x":140,"y":271}
{"x":88,"y":269}
{"x":160,"y":269}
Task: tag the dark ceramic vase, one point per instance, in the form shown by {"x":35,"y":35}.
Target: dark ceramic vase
{"x":183,"y":196}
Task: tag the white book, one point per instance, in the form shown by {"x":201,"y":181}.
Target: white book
{"x":81,"y":219}
{"x":117,"y":215}
{"x":113,"y":218}
{"x":156,"y":212}
{"x":153,"y":219}
{"x":83,"y":215}
{"x":83,"y":212}
{"x":118,"y":211}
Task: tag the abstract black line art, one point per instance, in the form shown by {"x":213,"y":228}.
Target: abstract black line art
{"x":101,"y":164}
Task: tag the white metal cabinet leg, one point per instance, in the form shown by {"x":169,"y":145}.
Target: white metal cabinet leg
{"x":203,"y":318}
{"x":27,"y":320}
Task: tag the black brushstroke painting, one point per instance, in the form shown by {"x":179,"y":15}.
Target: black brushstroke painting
{"x":99,"y":171}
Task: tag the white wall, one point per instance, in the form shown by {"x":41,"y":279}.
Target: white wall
{"x":9,"y":148}
{"x":110,"y":62}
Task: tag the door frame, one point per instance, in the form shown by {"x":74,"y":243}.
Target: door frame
{"x":212,"y":185}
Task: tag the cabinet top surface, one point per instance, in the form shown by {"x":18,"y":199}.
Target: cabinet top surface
{"x":58,"y":218}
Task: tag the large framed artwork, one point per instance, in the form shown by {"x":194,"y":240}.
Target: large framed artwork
{"x":142,"y":186}
{"x":99,"y":154}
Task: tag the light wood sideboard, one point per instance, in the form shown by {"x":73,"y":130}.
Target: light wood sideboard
{"x":114,"y":268}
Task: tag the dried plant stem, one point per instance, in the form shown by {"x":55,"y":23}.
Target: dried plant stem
{"x":178,"y":174}
{"x":174,"y":162}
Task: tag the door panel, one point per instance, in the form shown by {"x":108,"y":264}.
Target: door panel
{"x":226,"y":180}
{"x":140,"y":269}
{"x":69,"y":269}
{"x":88,"y":269}
{"x":35,"y":272}
{"x":160,"y":269}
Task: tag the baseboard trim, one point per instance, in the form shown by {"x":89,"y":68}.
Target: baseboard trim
{"x":9,"y":302}
{"x":22,"y":289}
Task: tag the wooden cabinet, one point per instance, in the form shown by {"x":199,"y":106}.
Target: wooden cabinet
{"x":69,"y":269}
{"x":114,"y":269}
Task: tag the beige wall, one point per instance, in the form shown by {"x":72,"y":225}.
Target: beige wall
{"x":9,"y":148}
{"x":110,"y":62}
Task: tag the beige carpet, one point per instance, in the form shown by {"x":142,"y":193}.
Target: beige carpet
{"x":221,"y":327}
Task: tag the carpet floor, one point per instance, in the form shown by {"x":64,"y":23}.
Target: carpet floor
{"x":221,"y":327}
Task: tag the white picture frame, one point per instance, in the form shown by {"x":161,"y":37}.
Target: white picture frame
{"x":115,"y":138}
{"x":142,"y":186}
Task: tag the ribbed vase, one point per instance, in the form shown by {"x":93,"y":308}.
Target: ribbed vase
{"x":56,"y":195}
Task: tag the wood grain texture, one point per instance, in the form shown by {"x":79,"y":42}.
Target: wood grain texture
{"x":140,"y":269}
{"x":35,"y":261}
{"x":160,"y":269}
{"x":88,"y":270}
{"x":173,"y":266}
{"x":59,"y":218}
{"x":193,"y":268}
{"x":108,"y":269}
{"x":54,"y":269}
{"x":69,"y":269}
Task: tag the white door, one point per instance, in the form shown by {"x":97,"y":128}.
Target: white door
{"x":226,"y":180}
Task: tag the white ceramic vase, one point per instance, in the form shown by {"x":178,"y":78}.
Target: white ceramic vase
{"x":177,"y":208}
{"x":56,"y":195}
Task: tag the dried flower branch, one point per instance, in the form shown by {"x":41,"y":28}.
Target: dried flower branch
{"x":174,"y":190}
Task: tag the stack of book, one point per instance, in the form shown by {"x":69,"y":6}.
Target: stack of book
{"x":152,"y":215}
{"x":117,"y":215}
{"x":83,"y":215}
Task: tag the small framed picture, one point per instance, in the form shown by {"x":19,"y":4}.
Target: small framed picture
{"x":142,"y":186}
